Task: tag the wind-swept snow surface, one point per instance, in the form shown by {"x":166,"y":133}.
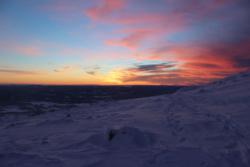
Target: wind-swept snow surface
{"x":205,"y":127}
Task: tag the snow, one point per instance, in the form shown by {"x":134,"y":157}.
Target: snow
{"x":205,"y":127}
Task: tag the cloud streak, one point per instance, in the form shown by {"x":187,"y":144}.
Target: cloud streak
{"x":153,"y":68}
{"x":18,"y":72}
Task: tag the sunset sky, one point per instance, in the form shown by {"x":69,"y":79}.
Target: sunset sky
{"x":170,"y":42}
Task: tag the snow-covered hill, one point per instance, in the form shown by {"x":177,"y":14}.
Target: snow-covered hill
{"x":205,"y":127}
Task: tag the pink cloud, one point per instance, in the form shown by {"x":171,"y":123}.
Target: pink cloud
{"x":149,"y":26}
{"x":28,"y":50}
{"x":133,"y":39}
{"x":22,"y":49}
{"x":170,"y":21}
{"x":137,"y":26}
{"x":105,"y":8}
{"x":146,"y":18}
{"x":39,"y":48}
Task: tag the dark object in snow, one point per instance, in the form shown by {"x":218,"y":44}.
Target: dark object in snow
{"x":111,"y":135}
{"x":45,"y":140}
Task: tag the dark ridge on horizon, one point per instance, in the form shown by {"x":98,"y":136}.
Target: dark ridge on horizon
{"x":19,"y":94}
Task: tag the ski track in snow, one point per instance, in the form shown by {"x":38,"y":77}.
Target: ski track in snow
{"x":205,"y":127}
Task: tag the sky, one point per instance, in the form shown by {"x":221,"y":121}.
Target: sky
{"x":123,"y":42}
